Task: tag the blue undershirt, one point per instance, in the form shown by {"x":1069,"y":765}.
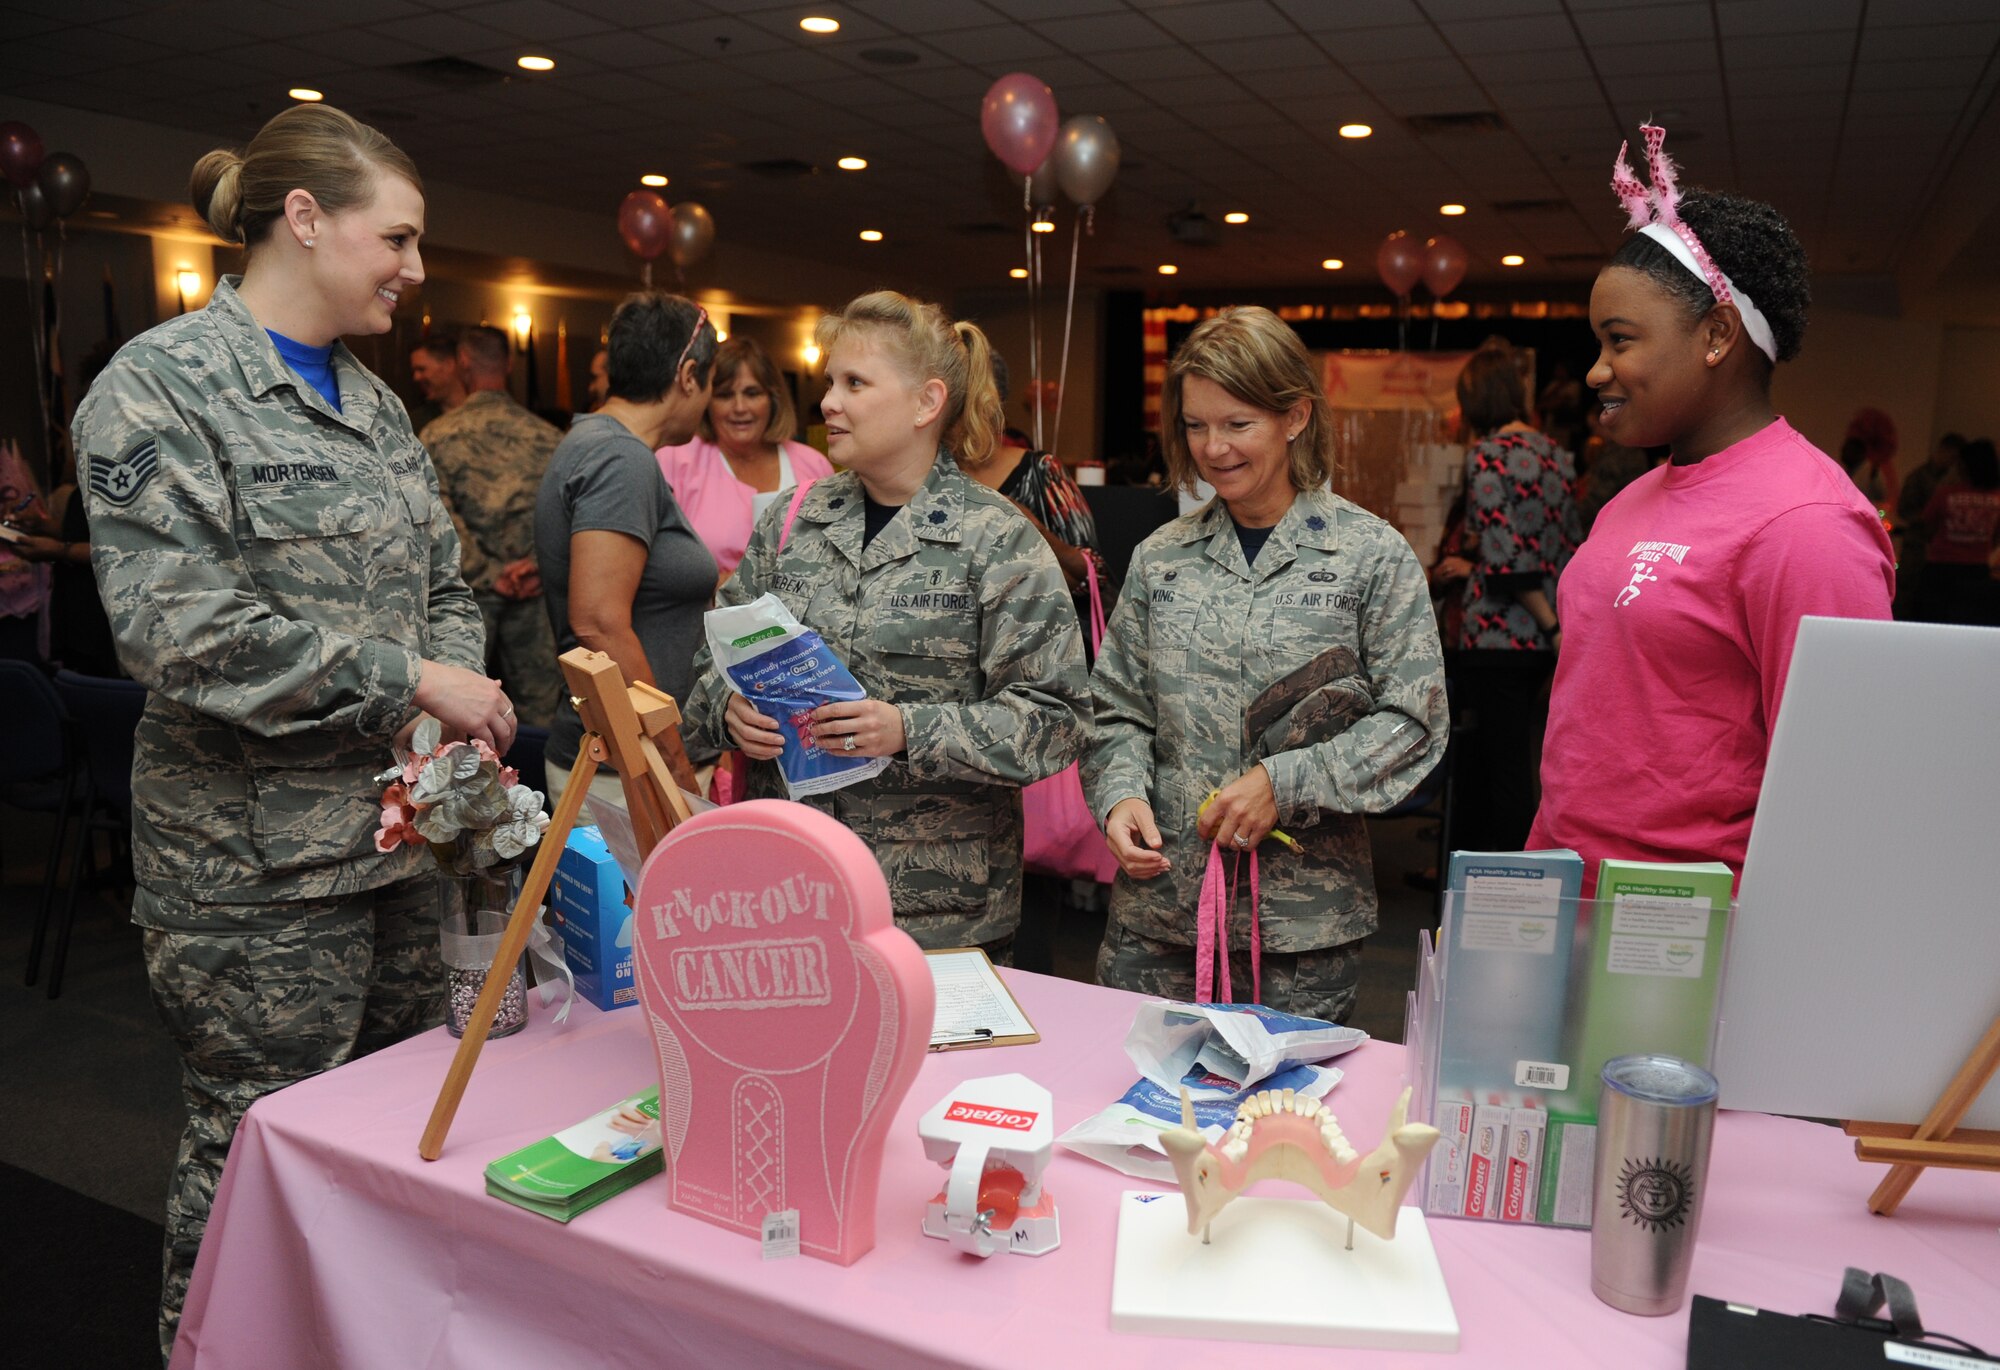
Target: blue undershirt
{"x":314,"y":365}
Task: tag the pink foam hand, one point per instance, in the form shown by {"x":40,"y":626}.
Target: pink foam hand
{"x":789,"y":1015}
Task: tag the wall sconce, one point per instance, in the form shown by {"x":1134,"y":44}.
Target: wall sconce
{"x":524,"y":324}
{"x":187,"y":285}
{"x":811,"y":354}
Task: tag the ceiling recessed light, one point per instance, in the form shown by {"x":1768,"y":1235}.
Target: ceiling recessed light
{"x":816,"y":23}
{"x":1451,"y":211}
{"x":1332,"y":264}
{"x":1237,"y":217}
{"x":871,"y":235}
{"x":1042,"y":226}
{"x":652,"y":178}
{"x":852,"y":164}
{"x":1355,"y":130}
{"x":1168,"y":269}
{"x":535,"y":63}
{"x":1019,"y":273}
{"x":305,"y":93}
{"x":1513,"y":259}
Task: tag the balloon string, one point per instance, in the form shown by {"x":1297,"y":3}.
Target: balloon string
{"x":1069,"y":316}
{"x":37,"y":326}
{"x":57,"y":420}
{"x":646,"y":274}
{"x":1034,"y":329}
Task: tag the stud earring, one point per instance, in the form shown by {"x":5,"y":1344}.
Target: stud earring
{"x":309,"y":243}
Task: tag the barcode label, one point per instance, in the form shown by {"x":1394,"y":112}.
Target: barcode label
{"x":781,"y":1234}
{"x":1541,"y":1075}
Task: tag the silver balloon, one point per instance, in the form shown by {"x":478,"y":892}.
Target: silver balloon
{"x":65,"y":181}
{"x":1042,"y":185}
{"x":1086,"y":158}
{"x":34,"y":206}
{"x":693,"y":233}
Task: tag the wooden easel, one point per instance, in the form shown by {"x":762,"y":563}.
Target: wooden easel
{"x":1937,"y":1140}
{"x":637,"y":729}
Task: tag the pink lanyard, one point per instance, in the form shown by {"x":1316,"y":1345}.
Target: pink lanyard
{"x":1212,"y":930}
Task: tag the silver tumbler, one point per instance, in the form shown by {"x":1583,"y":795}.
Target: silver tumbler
{"x":1655,"y":1118}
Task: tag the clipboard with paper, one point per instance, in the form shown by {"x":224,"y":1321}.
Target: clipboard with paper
{"x":974,"y":1006}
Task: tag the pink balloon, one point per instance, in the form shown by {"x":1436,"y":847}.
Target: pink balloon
{"x":1399,"y":262}
{"x":1019,"y":120}
{"x":645,"y":223}
{"x":1444,"y":264}
{"x":20,"y":153}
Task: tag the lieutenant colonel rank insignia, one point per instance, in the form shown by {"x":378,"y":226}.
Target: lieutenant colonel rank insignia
{"x":118,"y":480}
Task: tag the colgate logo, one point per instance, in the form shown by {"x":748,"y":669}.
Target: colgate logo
{"x":987,"y":1115}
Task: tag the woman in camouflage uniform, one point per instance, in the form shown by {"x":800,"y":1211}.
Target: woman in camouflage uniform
{"x":944,"y":602}
{"x":1277,"y":645}
{"x":281,"y":574}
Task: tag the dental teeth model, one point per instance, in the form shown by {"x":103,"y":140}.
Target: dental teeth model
{"x":1279,"y":1135}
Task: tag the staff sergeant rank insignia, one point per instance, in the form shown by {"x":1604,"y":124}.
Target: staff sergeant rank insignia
{"x":119,"y":480}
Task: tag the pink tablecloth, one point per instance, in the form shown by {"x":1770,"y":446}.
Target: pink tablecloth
{"x":332,"y":1244}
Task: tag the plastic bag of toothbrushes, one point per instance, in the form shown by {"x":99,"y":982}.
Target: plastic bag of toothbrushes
{"x":1126,"y":1136}
{"x":1240,"y":1043}
{"x":786,"y":671}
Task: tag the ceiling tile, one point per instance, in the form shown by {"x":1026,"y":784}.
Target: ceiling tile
{"x":1960,"y":72}
{"x":1153,"y":64}
{"x":1403,"y":43}
{"x":1350,"y":14}
{"x":540,"y":21}
{"x":1262,"y":54}
{"x":622,"y":49}
{"x":1780,"y":81}
{"x":1323,"y":81}
{"x":1383,"y":77}
{"x":1647,"y":24}
{"x":1451,"y":99}
{"x":1506,"y":73}
{"x":1549,"y":95}
{"x":1788,"y":50}
{"x":1529,"y":33}
{"x":1223,"y":19}
{"x":1105,"y":97}
{"x":1786,"y":16}
{"x":1091,"y":34}
{"x":921,"y":18}
{"x":1882,"y":15}
{"x":1448,"y":11}
{"x":1630,"y":59}
{"x":993,"y":43}
{"x":1936,"y":40}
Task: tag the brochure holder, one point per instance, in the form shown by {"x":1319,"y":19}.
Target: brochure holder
{"x":637,"y":729}
{"x":1509,"y":1027}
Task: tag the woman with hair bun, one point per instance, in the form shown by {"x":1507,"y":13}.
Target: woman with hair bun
{"x":944,"y":602}
{"x":1680,"y":610}
{"x":281,"y":574}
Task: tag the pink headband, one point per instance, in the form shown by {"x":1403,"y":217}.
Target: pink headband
{"x":1656,"y":213}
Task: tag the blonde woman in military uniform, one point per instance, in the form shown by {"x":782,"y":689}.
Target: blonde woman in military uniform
{"x":282,"y":575}
{"x":944,"y":602}
{"x":1276,"y":646}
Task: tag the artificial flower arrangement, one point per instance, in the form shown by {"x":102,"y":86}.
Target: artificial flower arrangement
{"x":457,"y":799}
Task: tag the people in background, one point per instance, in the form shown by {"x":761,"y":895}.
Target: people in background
{"x":1913,"y":535}
{"x":744,"y":458}
{"x":1963,"y":513}
{"x":1868,"y":455}
{"x":79,"y":633}
{"x":1604,"y":468}
{"x":623,"y":571}
{"x":434,"y":369}
{"x":490,"y":454}
{"x":1521,"y":528}
{"x":1680,"y":610}
{"x":946,"y":605}
{"x":600,"y":377}
{"x":1277,"y":649}
{"x":282,"y":576}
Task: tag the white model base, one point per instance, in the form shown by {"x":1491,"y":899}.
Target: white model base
{"x":1277,"y":1270}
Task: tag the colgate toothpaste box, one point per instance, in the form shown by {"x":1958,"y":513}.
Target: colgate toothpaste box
{"x":1520,"y":1185}
{"x":1451,"y":1156}
{"x":1484,"y":1171}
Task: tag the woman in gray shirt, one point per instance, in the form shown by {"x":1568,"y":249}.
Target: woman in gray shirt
{"x":623,"y":572}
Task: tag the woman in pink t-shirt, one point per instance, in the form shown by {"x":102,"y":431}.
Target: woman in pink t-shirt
{"x":743,"y":460}
{"x":1965,"y":514}
{"x":1680,"y":610}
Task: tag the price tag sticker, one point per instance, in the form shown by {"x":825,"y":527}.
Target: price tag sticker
{"x":781,"y":1234}
{"x":1541,"y":1075}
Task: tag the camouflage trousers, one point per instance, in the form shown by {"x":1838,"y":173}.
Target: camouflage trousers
{"x":278,"y":1003}
{"x":521,"y":655}
{"x":1313,"y":984}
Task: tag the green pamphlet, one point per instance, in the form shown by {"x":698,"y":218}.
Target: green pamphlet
{"x":585,"y":1164}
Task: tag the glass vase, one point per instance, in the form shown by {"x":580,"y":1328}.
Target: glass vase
{"x":473,"y":918}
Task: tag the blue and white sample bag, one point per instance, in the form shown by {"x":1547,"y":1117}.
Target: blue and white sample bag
{"x":786,"y":671}
{"x":1241,"y":1043}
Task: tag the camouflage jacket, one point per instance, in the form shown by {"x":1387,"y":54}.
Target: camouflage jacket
{"x":957,"y":614}
{"x":275,"y":573}
{"x":1197,"y":637}
{"x":490,"y":454}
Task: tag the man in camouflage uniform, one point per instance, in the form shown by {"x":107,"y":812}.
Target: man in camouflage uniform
{"x":490,"y":454}
{"x":276,"y":573}
{"x":1198,"y":641}
{"x":956,"y":613}
{"x":434,"y":369}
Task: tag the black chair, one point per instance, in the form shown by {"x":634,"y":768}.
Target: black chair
{"x":40,"y":771}
{"x":105,"y":716}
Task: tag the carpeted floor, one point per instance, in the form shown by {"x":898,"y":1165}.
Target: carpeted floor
{"x":83,"y":1289}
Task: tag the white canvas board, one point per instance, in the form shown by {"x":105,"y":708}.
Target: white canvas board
{"x":1865,"y":961}
{"x":1277,"y":1270}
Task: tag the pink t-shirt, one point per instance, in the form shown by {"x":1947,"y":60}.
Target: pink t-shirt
{"x":1679,"y":613}
{"x":722,"y":508}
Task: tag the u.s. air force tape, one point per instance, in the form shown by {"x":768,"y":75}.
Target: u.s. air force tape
{"x":118,"y":480}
